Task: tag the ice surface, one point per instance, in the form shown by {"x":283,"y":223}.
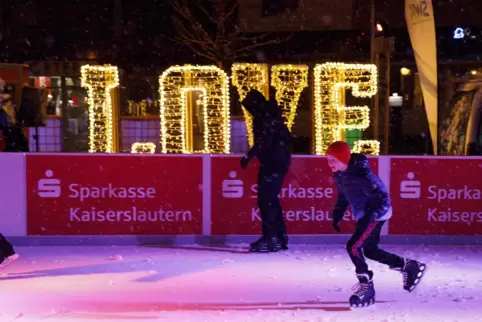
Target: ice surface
{"x":196,"y":283}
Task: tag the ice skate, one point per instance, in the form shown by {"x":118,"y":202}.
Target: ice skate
{"x":264,"y":245}
{"x":364,"y":294}
{"x":9,"y":260}
{"x":413,"y":272}
{"x":283,"y":242}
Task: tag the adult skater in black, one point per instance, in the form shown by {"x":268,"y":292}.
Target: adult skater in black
{"x":360,"y":188}
{"x":272,"y":148}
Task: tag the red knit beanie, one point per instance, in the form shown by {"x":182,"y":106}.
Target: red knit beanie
{"x":340,"y":150}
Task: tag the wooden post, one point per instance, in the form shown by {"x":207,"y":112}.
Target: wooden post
{"x":116,"y":121}
{"x":64,"y":116}
{"x":372,"y":31}
{"x":188,"y":109}
{"x":388,"y":49}
{"x":386,"y":134}
{"x":374,"y":58}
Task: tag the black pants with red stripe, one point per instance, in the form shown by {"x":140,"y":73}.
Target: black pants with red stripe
{"x":364,"y":243}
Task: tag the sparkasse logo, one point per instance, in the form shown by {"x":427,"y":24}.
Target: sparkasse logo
{"x":411,"y":188}
{"x":233,"y":188}
{"x":49,"y":187}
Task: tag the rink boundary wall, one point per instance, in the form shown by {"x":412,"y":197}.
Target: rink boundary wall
{"x":13,"y":200}
{"x":134,"y":240}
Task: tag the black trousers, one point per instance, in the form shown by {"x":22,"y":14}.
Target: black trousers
{"x":270,"y":182}
{"x":364,"y":243}
{"x":6,"y":249}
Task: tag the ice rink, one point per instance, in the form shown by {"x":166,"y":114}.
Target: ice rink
{"x":225,"y":283}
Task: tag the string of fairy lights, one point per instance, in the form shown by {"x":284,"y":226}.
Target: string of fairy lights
{"x":367,"y":147}
{"x":289,"y":82}
{"x":175,"y":85}
{"x":332,"y":116}
{"x":179,"y":84}
{"x":143,"y":148}
{"x":246,"y":77}
{"x":99,"y":81}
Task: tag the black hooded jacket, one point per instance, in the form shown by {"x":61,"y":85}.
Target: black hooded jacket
{"x":361,"y":189}
{"x":272,"y":139}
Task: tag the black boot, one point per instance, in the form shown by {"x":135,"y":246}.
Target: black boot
{"x":283,"y":241}
{"x":413,"y":272}
{"x":264,"y":245}
{"x":364,"y":294}
{"x":6,"y":248}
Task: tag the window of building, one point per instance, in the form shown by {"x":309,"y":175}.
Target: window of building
{"x":277,"y":7}
{"x":67,"y":128}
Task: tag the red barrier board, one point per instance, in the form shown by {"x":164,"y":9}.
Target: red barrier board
{"x":436,"y":196}
{"x":114,"y":195}
{"x":308,"y":196}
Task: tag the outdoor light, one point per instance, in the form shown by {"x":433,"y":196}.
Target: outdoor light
{"x":176,"y":83}
{"x":332,"y":116}
{"x":405,"y":71}
{"x":143,"y":147}
{"x":289,"y":82}
{"x":367,"y":147}
{"x":395,"y":100}
{"x":100,"y":80}
{"x":246,"y":77}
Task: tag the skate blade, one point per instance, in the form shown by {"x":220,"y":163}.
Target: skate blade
{"x":365,"y":307}
{"x":419,"y":280}
{"x":9,"y":261}
{"x":262,"y":251}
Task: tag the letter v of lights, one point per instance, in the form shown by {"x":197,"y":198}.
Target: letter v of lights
{"x":332,"y":117}
{"x":288,"y":80}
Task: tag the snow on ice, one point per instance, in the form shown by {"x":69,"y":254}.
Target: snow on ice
{"x":196,"y":283}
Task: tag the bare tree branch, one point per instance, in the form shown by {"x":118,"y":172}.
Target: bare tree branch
{"x":205,"y":54}
{"x":190,"y":27}
{"x":220,"y":39}
{"x":186,"y":35}
{"x":206,"y":12}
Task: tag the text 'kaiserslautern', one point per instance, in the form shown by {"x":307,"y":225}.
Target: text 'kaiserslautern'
{"x":133,"y":214}
{"x":311,"y":214}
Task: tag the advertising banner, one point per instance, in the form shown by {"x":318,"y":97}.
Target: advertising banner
{"x":435,"y":196}
{"x":307,"y":197}
{"x":114,"y":195}
{"x":421,"y":28}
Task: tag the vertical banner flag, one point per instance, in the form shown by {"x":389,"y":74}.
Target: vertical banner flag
{"x":421,"y":27}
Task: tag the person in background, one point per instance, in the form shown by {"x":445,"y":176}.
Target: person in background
{"x":364,"y":191}
{"x":272,"y":148}
{"x":12,"y":138}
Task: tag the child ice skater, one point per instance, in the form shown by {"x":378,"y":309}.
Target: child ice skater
{"x":361,"y":189}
